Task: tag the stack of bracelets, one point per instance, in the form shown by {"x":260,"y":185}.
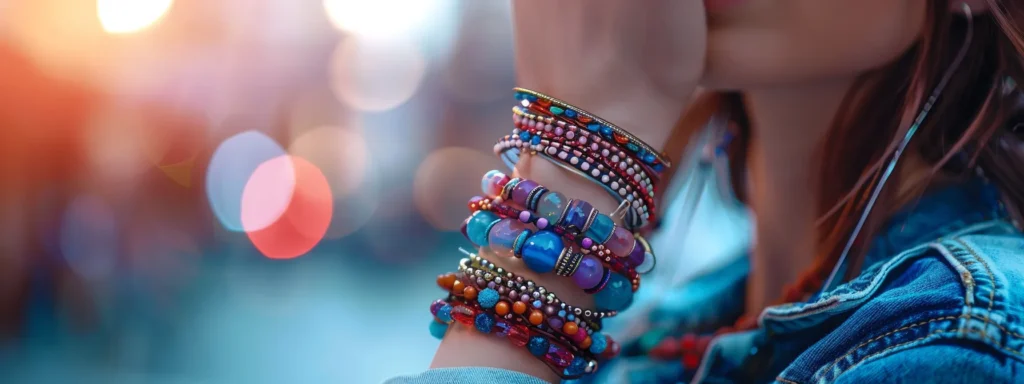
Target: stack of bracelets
{"x":551,"y":233}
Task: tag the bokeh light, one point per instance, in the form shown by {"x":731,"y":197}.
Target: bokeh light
{"x":340,"y":153}
{"x":446,"y":180}
{"x":89,"y":237}
{"x":118,"y":146}
{"x":267,"y":193}
{"x":230,"y":168}
{"x":307,"y":216}
{"x":127,"y":16}
{"x":374,"y":75}
{"x":381,"y":18}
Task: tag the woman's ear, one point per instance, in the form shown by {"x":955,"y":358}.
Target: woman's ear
{"x":977,"y":7}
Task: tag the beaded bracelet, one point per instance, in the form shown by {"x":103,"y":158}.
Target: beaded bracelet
{"x":509,"y":147}
{"x":524,"y":309}
{"x":557,"y":356}
{"x":523,"y":286}
{"x":482,"y":284}
{"x":586,"y":267}
{"x":629,"y":180}
{"x":546,"y":208}
{"x":549,"y":105}
{"x":542,"y":251}
{"x":552,"y":129}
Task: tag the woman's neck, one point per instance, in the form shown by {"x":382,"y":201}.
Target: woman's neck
{"x":787,"y":126}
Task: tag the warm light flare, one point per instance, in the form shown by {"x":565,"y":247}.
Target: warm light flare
{"x":128,"y":16}
{"x":380,"y":18}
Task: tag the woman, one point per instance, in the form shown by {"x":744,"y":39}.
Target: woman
{"x":876,"y":143}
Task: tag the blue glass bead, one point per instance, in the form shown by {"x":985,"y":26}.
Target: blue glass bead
{"x":538,"y":346}
{"x":531,"y":97}
{"x":438,"y":329}
{"x":570,"y":113}
{"x":479,"y":224}
{"x":487,"y":298}
{"x":561,"y":313}
{"x":649,"y":158}
{"x":659,"y":167}
{"x":542,"y":250}
{"x":536,"y":303}
{"x":445,"y":313}
{"x":535,"y":140}
{"x":577,"y":367}
{"x":617,"y":295}
{"x":606,"y":131}
{"x":593,"y":127}
{"x":576,"y":214}
{"x":503,"y":328}
{"x":551,"y":206}
{"x":524,"y":135}
{"x":598,"y":343}
{"x":556,"y":110}
{"x":520,"y":96}
{"x":571,"y":317}
{"x":632,"y":147}
{"x":520,"y":242}
{"x":601,"y":229}
{"x":483,"y":323}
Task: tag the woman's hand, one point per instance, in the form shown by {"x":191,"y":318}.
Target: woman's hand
{"x":632,"y":63}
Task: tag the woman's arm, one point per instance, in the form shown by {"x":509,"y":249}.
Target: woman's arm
{"x":632,"y":65}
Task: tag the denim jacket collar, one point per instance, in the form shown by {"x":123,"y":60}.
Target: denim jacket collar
{"x":937,"y":213}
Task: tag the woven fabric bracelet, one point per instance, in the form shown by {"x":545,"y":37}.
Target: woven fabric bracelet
{"x":557,"y":108}
{"x":564,"y":360}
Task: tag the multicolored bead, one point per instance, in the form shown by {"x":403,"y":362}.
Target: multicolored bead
{"x":598,"y":343}
{"x":541,"y":251}
{"x":487,"y":298}
{"x":438,"y":329}
{"x":617,"y":295}
{"x":538,"y":346}
{"x":483,"y":323}
{"x":478,"y":226}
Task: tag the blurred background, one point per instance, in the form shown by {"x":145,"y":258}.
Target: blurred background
{"x":249,"y":191}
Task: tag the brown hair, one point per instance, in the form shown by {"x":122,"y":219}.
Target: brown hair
{"x":970,"y":128}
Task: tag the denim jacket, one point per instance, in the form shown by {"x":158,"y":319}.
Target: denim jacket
{"x":936,"y":301}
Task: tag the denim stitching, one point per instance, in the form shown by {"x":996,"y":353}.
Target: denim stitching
{"x":991,"y":292}
{"x":938,"y":332}
{"x":1004,"y":329}
{"x":785,"y":381}
{"x":854,"y":349}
